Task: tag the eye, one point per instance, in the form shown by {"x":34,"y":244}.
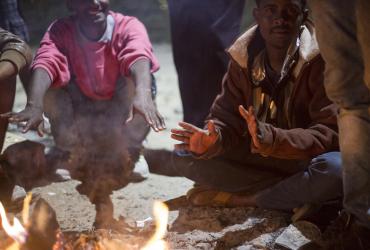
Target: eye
{"x":268,"y":10}
{"x":293,"y":11}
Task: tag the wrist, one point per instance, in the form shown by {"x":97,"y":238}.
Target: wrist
{"x":34,"y":105}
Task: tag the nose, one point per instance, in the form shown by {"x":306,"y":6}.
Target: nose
{"x":280,"y":18}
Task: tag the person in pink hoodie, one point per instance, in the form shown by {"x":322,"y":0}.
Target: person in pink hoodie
{"x":91,"y":76}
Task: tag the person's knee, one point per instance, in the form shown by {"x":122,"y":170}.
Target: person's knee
{"x":329,"y":164}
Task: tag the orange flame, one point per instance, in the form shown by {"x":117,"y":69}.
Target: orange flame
{"x":156,"y":242}
{"x":16,"y":231}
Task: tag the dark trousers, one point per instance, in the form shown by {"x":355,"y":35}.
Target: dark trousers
{"x":344,"y":39}
{"x":280,"y":184}
{"x":201,"y":30}
{"x":98,"y":143}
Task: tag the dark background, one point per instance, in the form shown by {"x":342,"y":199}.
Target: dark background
{"x":38,"y":15}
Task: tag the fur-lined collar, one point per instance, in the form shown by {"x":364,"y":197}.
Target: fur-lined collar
{"x":308,"y":48}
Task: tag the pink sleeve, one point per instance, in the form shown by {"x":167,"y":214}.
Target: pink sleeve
{"x":50,"y":56}
{"x":135,"y":45}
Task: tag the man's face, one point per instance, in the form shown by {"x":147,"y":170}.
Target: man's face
{"x":279,"y":21}
{"x":90,"y":13}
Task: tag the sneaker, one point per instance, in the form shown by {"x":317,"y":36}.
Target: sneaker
{"x":345,"y":233}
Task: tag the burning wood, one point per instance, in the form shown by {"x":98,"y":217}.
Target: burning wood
{"x":40,"y":231}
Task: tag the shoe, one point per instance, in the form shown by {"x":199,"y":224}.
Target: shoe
{"x":160,"y":161}
{"x":345,"y":233}
{"x":201,"y":196}
{"x":319,"y":214}
{"x":303,"y":212}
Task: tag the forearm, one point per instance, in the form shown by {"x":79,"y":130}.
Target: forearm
{"x":7,"y":70}
{"x":39,"y":84}
{"x":297,"y":143}
{"x":140,"y":72}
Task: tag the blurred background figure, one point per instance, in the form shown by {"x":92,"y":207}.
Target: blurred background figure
{"x":200,"y":33}
{"x":11,"y":19}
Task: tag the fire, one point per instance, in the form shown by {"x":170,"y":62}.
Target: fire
{"x":156,"y":242}
{"x":16,"y":231}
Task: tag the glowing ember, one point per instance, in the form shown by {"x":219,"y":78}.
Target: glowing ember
{"x":160,"y":212}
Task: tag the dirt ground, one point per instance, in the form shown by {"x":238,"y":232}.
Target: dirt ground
{"x":133,"y":202}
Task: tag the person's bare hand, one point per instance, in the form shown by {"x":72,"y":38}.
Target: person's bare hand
{"x":31,"y":116}
{"x":194,"y":139}
{"x":252,"y":122}
{"x":144,"y":104}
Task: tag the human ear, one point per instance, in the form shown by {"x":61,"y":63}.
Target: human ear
{"x":255,"y":14}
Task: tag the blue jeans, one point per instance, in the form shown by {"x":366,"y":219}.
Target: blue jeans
{"x":344,"y":39}
{"x":280,"y":184}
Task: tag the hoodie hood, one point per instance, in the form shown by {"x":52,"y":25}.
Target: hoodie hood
{"x":251,"y":41}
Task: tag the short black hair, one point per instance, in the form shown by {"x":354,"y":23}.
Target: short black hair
{"x":303,"y":2}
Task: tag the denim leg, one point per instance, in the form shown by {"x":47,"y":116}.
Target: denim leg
{"x":253,"y":174}
{"x":343,"y":35}
{"x":321,"y":182}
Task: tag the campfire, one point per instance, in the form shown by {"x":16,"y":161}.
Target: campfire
{"x":39,"y":230}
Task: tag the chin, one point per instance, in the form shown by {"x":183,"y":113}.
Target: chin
{"x":281,"y":43}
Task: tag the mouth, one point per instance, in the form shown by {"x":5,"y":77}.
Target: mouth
{"x":94,"y":12}
{"x":280,"y":31}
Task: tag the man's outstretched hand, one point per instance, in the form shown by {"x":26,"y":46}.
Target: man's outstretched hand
{"x":252,"y":122}
{"x":194,"y":139}
{"x":31,"y":116}
{"x":144,"y":104}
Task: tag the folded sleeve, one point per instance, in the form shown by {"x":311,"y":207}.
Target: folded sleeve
{"x":52,"y":54}
{"x":14,"y":50}
{"x":134,"y":45}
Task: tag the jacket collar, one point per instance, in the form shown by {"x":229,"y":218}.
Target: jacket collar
{"x":251,"y":40}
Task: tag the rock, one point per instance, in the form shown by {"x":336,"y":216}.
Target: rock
{"x":226,"y":228}
{"x":298,"y":234}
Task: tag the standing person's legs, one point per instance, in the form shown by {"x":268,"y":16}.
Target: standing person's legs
{"x":201,"y":62}
{"x":344,"y":81}
{"x":7,"y":94}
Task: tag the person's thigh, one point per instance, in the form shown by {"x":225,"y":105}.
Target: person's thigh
{"x":58,"y":108}
{"x":363,"y":35}
{"x":224,"y":174}
{"x":336,"y":26}
{"x":7,"y":94}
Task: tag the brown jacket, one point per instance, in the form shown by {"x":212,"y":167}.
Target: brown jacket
{"x":14,"y":50}
{"x":311,"y":127}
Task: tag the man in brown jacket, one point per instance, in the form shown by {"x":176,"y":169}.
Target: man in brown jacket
{"x":280,"y":151}
{"x":15,"y":57}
